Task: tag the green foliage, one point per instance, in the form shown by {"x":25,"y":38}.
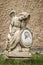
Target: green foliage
{"x":37,"y":59}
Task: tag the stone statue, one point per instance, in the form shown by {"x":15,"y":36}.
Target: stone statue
{"x":18,"y":23}
{"x":19,"y":38}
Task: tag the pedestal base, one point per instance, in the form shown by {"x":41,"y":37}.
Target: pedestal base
{"x":19,"y":54}
{"x":15,"y":54}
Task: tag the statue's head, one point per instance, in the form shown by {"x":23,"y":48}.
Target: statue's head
{"x":24,"y":18}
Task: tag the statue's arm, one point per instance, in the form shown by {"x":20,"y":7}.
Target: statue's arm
{"x":11,"y":26}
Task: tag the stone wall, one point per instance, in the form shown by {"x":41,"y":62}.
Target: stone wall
{"x":35,"y":24}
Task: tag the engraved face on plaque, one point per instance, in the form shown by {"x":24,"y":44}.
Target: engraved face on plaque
{"x":26,"y":38}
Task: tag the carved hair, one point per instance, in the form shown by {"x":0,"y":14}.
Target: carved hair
{"x":24,"y":16}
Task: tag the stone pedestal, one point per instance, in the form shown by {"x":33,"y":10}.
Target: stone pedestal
{"x":24,"y":53}
{"x":18,"y":53}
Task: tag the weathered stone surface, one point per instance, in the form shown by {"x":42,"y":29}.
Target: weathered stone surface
{"x":34,"y":7}
{"x":20,"y":54}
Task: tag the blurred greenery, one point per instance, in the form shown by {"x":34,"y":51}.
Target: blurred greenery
{"x":37,"y":59}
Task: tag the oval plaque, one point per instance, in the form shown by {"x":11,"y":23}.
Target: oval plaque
{"x":26,"y":38}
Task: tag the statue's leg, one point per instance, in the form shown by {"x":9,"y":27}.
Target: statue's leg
{"x":14,"y":40}
{"x":14,"y":45}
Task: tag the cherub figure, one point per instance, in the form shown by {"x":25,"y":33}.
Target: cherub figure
{"x":18,"y":23}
